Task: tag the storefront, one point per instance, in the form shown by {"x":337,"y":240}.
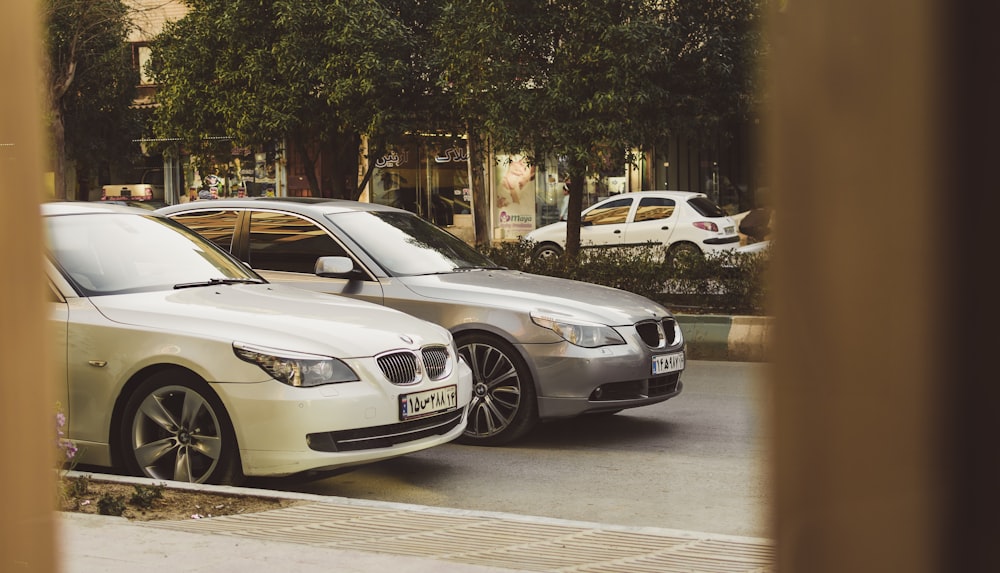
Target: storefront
{"x":428,"y":175}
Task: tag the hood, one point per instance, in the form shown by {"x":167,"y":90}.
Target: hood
{"x":276,"y":316}
{"x":524,"y":292}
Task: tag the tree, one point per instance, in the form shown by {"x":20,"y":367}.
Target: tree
{"x":596,"y":82}
{"x":311,"y":72}
{"x":90,"y":84}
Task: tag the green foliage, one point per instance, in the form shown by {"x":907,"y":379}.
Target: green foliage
{"x":727,"y":283}
{"x":144,"y":496}
{"x":110,"y":504}
{"x":313,"y":72}
{"x":91,"y":83}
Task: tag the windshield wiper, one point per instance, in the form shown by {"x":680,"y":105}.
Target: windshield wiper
{"x":212,"y":282}
{"x":480,"y":268}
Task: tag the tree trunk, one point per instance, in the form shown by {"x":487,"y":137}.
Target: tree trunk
{"x":344,"y":169}
{"x":576,"y":181}
{"x":59,"y":154}
{"x":480,"y":199}
{"x":308,"y":164}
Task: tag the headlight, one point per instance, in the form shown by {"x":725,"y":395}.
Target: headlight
{"x":296,"y":369}
{"x":578,"y":332}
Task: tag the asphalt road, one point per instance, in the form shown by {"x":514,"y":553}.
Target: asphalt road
{"x":697,"y":462}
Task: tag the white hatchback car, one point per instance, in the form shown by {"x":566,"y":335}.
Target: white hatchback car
{"x":176,"y":361}
{"x":679,"y":221}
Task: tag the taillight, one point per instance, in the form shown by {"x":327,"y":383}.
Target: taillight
{"x":707,"y":226}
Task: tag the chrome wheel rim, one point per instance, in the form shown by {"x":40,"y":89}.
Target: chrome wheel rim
{"x":496,"y":390}
{"x":176,"y":435}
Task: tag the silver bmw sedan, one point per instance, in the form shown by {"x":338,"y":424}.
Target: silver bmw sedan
{"x":539,"y":347}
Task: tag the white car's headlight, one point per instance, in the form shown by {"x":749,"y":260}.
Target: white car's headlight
{"x":578,"y":332}
{"x":296,"y":369}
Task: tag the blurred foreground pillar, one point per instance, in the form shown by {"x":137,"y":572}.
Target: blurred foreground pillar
{"x":27,"y":423}
{"x":881,"y":129}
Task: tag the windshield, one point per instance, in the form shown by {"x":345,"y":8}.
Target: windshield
{"x":112,"y":253}
{"x":404,"y":244}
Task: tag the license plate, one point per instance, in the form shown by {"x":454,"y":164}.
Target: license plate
{"x":729,"y":230}
{"x":666,"y":363}
{"x":419,"y":404}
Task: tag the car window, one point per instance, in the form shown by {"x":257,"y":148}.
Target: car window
{"x":609,"y":213}
{"x":705,"y":207}
{"x":215,"y":225}
{"x":286,"y":242}
{"x":404,"y":244}
{"x":653,"y":208}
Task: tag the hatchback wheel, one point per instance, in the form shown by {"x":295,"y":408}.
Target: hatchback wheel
{"x":547,"y":251}
{"x":175,"y":428}
{"x":504,"y":406}
{"x":682,"y":255}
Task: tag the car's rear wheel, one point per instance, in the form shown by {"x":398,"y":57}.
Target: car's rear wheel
{"x":175,"y":428}
{"x":504,"y":405}
{"x":682,"y":254}
{"x":546,"y":251}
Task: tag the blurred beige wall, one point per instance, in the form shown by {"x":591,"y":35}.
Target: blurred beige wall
{"x":881,"y":142}
{"x":27,"y":426}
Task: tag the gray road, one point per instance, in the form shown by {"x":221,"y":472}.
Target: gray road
{"x":697,"y":462}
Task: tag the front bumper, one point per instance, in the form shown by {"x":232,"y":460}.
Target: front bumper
{"x":284,"y":431}
{"x":575,"y":380}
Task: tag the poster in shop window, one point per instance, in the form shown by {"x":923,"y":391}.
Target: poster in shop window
{"x":514,"y":196}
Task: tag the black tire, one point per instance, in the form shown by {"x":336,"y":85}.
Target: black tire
{"x":504,"y":405}
{"x":174,"y":427}
{"x":680,"y":253}
{"x":547,"y":250}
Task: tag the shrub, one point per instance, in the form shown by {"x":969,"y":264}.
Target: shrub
{"x":110,"y":504}
{"x":726,"y":283}
{"x":144,"y":496}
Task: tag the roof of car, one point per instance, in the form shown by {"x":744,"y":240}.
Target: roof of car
{"x":293,"y":204}
{"x":661,"y":193}
{"x":84,"y":207}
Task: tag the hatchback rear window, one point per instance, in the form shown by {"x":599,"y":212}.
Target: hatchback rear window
{"x":705,"y":207}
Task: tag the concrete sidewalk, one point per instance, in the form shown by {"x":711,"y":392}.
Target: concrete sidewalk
{"x":353,"y":536}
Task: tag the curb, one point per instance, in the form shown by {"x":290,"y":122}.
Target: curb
{"x":723,"y":337}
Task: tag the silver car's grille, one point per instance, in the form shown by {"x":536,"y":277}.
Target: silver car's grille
{"x":651,"y":332}
{"x":436,"y":362}
{"x":399,"y":367}
{"x":406,"y":367}
{"x":657,"y":334}
{"x":670,"y":331}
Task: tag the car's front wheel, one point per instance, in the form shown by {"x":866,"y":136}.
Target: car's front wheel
{"x":504,"y":405}
{"x":175,"y":428}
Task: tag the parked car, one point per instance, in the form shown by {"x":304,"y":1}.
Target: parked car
{"x":539,"y":347}
{"x":682,"y":222}
{"x":176,"y":361}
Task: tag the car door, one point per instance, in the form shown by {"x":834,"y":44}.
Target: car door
{"x":283,"y":248}
{"x":654,"y":221}
{"x":603,"y":225}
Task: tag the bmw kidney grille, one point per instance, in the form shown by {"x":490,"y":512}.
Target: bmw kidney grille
{"x":406,"y":367}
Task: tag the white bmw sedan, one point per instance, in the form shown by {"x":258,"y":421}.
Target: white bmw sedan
{"x":175,"y":361}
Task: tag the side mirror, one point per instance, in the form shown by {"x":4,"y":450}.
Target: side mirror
{"x":336,"y":268}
